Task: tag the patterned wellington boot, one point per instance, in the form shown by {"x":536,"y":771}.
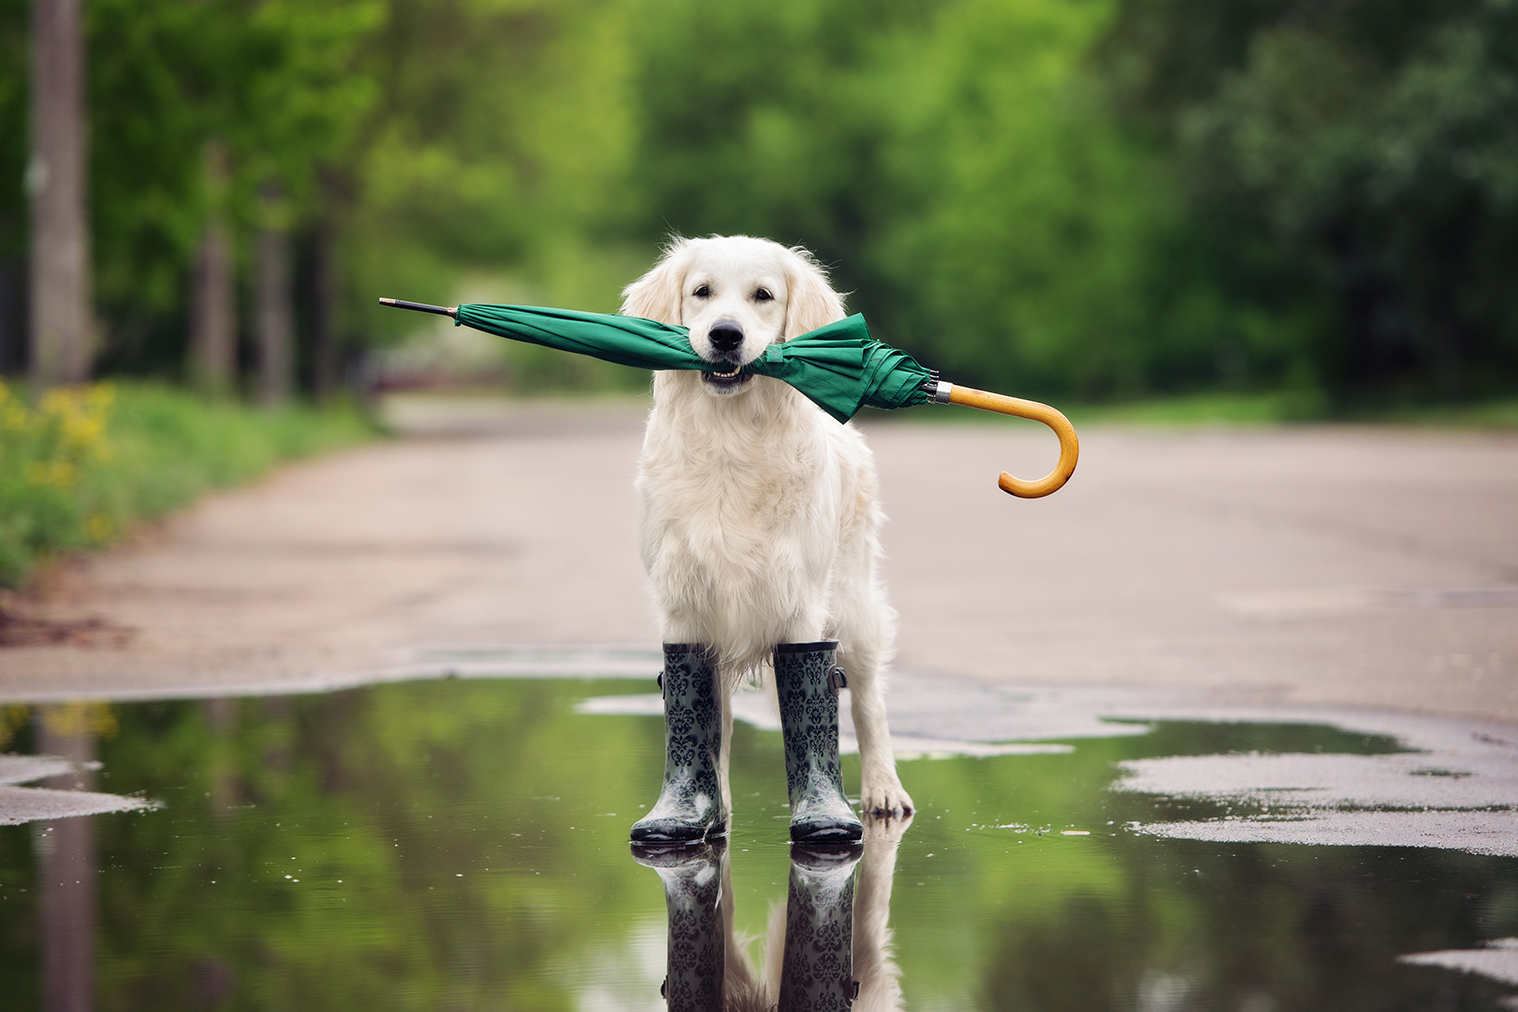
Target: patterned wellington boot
{"x":817,"y":968}
{"x":808,"y":686}
{"x":692,"y":878}
{"x":690,"y":806}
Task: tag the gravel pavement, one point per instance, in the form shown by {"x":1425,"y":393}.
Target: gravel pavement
{"x":1301,"y":566}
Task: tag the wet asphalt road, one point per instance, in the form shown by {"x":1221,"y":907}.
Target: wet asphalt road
{"x":1312,"y":566}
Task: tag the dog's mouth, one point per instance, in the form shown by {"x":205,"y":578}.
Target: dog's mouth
{"x":725,"y":382}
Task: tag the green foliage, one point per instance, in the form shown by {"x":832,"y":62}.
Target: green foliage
{"x":1102,"y":198}
{"x":500,"y":143}
{"x":1024,"y":264}
{"x":954,"y":161}
{"x":278,"y":86}
{"x":87,"y":463}
{"x":1352,"y":166}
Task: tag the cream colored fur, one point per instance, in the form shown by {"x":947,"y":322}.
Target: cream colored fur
{"x":760,"y":519}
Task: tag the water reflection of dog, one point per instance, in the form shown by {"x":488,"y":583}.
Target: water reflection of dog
{"x":827,"y":948}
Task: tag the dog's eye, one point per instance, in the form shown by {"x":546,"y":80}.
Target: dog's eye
{"x":763,"y":295}
{"x":703,"y":292}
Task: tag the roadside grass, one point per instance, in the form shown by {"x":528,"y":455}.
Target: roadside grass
{"x":1296,"y":406}
{"x":1202,"y":409}
{"x":86,"y":463}
{"x":1495,"y":414}
{"x":1243,"y":409}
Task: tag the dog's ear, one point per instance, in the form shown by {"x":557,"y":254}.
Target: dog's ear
{"x":812,"y":302}
{"x":656,"y":295}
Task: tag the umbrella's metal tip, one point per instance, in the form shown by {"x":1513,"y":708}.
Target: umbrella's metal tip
{"x":421,"y":307}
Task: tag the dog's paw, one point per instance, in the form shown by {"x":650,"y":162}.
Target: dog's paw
{"x":886,"y":830}
{"x":886,"y":800}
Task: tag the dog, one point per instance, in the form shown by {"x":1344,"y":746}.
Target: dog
{"x":760,"y":514}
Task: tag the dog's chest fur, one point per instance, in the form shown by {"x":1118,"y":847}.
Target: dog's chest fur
{"x":735,"y":538}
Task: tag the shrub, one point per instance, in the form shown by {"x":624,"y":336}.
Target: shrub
{"x":87,"y":462}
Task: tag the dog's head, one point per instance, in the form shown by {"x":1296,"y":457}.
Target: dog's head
{"x":738,"y":295}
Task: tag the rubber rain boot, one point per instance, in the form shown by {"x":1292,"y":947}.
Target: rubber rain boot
{"x":808,"y":685}
{"x":817,"y":966}
{"x":690,"y":806}
{"x":692,"y":878}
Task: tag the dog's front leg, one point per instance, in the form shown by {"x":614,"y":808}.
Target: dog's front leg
{"x":881,"y":793}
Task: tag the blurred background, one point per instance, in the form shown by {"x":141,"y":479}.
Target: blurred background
{"x":1093,"y":199}
{"x":1255,"y":210}
{"x":1175,"y":209}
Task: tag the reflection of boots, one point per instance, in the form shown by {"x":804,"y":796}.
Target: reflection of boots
{"x":692,"y":878}
{"x":808,"y":686}
{"x":817,"y":973}
{"x":690,"y":804}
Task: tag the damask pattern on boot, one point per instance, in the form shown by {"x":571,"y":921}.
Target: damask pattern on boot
{"x":690,"y":802}
{"x":808,"y":699}
{"x":692,"y":879}
{"x":816,"y":972}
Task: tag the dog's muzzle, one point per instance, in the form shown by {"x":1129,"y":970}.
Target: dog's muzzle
{"x":726,"y":340}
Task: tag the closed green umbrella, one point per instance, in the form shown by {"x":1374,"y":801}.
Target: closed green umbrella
{"x":839,"y":367}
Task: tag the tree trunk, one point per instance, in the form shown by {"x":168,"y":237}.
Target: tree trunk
{"x":325,"y":352}
{"x":60,"y":239}
{"x":213,"y":319}
{"x":275,"y":309}
{"x":12,"y":315}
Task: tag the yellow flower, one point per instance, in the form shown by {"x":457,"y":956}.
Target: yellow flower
{"x":75,"y":417}
{"x":57,"y":401}
{"x":82,"y":431}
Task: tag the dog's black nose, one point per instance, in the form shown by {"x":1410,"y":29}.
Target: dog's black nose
{"x":725,"y":335}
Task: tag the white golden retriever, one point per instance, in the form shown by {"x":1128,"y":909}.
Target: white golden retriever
{"x":760,"y":519}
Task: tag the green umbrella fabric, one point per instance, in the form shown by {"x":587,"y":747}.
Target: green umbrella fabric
{"x":840,"y":367}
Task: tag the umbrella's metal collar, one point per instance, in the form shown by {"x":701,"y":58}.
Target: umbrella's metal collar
{"x":936,"y":389}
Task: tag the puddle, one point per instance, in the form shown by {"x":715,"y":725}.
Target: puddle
{"x":462,"y":844}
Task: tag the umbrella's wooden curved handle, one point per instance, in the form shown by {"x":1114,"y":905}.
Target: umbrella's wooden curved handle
{"x":1069,"y":446}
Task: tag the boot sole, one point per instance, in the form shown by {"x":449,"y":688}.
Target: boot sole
{"x":829,"y":834}
{"x":646,"y":836}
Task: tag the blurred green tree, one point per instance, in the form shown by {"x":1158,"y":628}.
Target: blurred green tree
{"x":280,"y":87}
{"x":1351,"y":167}
{"x":954,"y":162}
{"x":1098,"y":197}
{"x":1022,"y":259}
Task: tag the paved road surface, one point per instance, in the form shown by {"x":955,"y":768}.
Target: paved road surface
{"x":1322,"y":566}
